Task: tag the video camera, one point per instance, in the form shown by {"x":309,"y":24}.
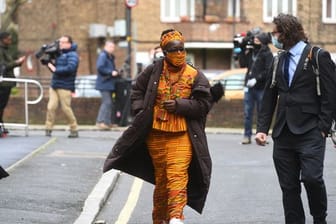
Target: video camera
{"x":48,"y":52}
{"x":244,"y":41}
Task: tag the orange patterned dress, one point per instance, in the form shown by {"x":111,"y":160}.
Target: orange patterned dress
{"x":170,"y":147}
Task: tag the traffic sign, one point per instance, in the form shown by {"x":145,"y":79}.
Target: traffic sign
{"x":131,"y":3}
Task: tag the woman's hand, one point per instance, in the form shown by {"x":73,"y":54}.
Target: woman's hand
{"x":170,"y":105}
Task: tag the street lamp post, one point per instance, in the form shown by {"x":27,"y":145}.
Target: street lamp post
{"x":129,"y":5}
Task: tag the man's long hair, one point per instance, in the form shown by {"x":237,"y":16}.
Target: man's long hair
{"x":291,"y":30}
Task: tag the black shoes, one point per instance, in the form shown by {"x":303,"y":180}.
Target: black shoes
{"x":73,"y":134}
{"x":3,"y":131}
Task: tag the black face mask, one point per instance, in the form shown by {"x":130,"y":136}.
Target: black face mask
{"x":257,"y":46}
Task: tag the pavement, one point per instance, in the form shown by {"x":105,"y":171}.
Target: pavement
{"x":58,"y":180}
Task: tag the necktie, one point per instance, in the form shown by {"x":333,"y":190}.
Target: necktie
{"x":286,"y":67}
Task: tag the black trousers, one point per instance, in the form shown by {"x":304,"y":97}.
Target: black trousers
{"x":4,"y":97}
{"x":300,"y":158}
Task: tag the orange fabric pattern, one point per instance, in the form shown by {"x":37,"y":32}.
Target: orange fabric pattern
{"x":171,"y":155}
{"x":171,"y":36}
{"x":172,"y":86}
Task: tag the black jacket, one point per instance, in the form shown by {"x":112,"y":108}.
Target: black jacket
{"x":299,"y":106}
{"x":9,"y":64}
{"x":257,"y":62}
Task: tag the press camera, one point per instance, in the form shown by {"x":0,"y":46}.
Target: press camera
{"x":244,"y":41}
{"x":48,"y":52}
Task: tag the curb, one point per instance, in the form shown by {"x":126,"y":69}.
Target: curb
{"x":95,"y":201}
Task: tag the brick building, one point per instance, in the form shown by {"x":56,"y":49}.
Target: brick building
{"x":208,"y":25}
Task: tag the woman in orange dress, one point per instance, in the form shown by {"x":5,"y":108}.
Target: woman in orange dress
{"x":166,"y":143}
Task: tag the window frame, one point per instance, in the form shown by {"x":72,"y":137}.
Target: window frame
{"x":275,"y":8}
{"x":230,"y":10}
{"x":331,"y":19}
{"x":174,"y":17}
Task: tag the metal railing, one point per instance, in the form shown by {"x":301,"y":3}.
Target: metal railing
{"x":26,"y":100}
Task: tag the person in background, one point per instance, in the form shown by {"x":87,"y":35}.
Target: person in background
{"x":3,"y":173}
{"x":7,"y":65}
{"x":303,"y":119}
{"x":64,"y":70}
{"x":258,"y":59}
{"x":156,"y":53}
{"x":106,"y":84}
{"x":166,"y":143}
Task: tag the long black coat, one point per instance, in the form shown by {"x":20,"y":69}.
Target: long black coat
{"x":130,"y":153}
{"x":299,"y":106}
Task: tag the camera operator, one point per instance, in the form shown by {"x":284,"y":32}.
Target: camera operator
{"x":257,"y":57}
{"x":7,"y":65}
{"x":64,"y":69}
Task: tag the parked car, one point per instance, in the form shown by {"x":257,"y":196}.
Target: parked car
{"x":232,"y":81}
{"x":211,"y":73}
{"x":85,"y":86}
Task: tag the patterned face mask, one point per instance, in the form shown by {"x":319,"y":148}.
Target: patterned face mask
{"x":177,"y":58}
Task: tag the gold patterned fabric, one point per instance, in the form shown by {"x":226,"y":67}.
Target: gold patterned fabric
{"x":171,"y":36}
{"x":172,"y":86}
{"x":171,"y":155}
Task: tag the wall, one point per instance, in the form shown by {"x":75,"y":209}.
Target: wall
{"x":223,"y":114}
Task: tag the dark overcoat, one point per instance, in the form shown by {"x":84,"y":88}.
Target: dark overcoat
{"x":130,"y":153}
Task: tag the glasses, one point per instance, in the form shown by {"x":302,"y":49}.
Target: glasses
{"x":180,"y":49}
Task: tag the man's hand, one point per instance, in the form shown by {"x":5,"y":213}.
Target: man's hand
{"x":261,"y":138}
{"x":251,"y":82}
{"x":115,"y":73}
{"x":170,"y":105}
{"x":20,"y":60}
{"x":51,"y":67}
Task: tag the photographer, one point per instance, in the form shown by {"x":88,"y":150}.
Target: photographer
{"x":64,"y":69}
{"x":7,"y":65}
{"x":257,"y":57}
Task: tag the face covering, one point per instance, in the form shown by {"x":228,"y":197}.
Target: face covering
{"x":257,"y":46}
{"x":177,"y":58}
{"x":276,"y":43}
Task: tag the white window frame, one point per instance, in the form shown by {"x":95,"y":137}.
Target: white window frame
{"x":230,"y":8}
{"x":173,"y":16}
{"x":275,"y":10}
{"x":331,"y":19}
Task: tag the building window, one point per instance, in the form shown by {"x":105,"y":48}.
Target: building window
{"x":329,"y":11}
{"x":177,"y":10}
{"x":234,"y":8}
{"x":273,"y":7}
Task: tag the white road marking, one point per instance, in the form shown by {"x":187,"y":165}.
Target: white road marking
{"x":132,"y":199}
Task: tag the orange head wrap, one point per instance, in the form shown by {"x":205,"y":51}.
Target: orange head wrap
{"x":171,"y":36}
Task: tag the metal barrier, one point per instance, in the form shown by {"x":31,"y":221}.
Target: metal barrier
{"x":26,"y":100}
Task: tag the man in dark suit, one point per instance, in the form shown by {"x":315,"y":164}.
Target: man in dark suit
{"x":303,"y":119}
